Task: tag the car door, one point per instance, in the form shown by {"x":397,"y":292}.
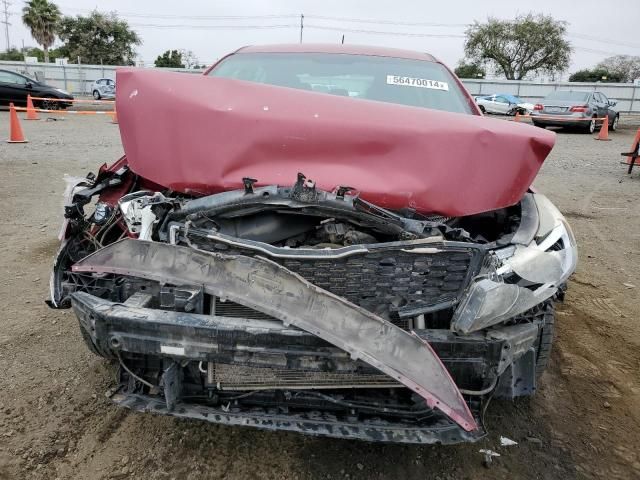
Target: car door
{"x":496,"y":104}
{"x":13,"y":87}
{"x":502,"y":104}
{"x":599,"y":104}
{"x":608,"y":109}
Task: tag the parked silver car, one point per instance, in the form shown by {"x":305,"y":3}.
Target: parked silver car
{"x":575,"y":109}
{"x":104,"y":88}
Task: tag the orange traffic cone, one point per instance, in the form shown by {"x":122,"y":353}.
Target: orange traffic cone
{"x":604,"y":130}
{"x":32,"y":113}
{"x":15,"y":134}
{"x":114,"y":117}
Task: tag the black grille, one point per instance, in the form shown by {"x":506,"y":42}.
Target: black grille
{"x":235,"y":310}
{"x":387,"y":280}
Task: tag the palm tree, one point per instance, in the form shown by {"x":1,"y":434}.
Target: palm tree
{"x":42,"y":18}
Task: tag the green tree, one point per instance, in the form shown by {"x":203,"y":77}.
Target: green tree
{"x":17,"y":55}
{"x":98,"y":39}
{"x":42,"y":18}
{"x":170,"y":59}
{"x":627,"y":67}
{"x":469,"y":70}
{"x":12,"y":55}
{"x":529,"y":44}
{"x":595,"y":75}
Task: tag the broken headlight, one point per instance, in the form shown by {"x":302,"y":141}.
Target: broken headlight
{"x":523,"y":276}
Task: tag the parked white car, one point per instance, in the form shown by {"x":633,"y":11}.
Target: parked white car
{"x":104,"y":88}
{"x":503,"y":104}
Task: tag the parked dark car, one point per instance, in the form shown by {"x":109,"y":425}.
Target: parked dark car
{"x":14,"y":87}
{"x":326,"y":239}
{"x":575,"y":109}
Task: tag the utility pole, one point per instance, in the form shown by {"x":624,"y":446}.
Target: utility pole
{"x":5,"y":12}
{"x":301,"y":26}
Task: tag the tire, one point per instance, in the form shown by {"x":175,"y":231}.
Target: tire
{"x":591,"y":127}
{"x":545,"y":341}
{"x":96,"y":95}
{"x":613,"y":126}
{"x":483,"y":110}
{"x":49,"y":105}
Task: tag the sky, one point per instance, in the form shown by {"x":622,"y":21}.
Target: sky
{"x":596,"y":28}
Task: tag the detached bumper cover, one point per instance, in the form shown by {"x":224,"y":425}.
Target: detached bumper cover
{"x":274,"y":290}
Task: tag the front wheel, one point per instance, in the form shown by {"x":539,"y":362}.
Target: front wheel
{"x":613,"y":126}
{"x":96,"y":95}
{"x":49,"y":103}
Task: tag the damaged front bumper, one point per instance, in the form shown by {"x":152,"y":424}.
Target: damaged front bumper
{"x":295,"y":338}
{"x":267,"y":287}
{"x":267,"y":346}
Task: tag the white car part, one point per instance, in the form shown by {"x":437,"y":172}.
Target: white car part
{"x":138,"y":214}
{"x":534,"y":272}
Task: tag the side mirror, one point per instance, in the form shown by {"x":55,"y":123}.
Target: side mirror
{"x":613,"y":103}
{"x":29,"y":85}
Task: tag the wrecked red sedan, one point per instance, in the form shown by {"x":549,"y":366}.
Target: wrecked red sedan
{"x":323,"y":239}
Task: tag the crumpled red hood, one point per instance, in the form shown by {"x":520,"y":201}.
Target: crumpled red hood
{"x":202,"y":135}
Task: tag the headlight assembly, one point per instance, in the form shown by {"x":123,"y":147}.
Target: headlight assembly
{"x":524,"y":276}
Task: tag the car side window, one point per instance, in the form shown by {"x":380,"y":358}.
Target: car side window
{"x":604,"y":98}
{"x":100,"y":82}
{"x":502,"y":100}
{"x":597,"y":97}
{"x":8,"y":77}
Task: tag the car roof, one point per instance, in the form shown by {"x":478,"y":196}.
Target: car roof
{"x":12,"y":71}
{"x":338,"y":48}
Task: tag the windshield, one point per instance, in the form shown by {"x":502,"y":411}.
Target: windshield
{"x":568,"y":96}
{"x":513,"y":98}
{"x":417,"y":83}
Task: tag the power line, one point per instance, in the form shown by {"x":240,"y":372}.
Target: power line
{"x":388,"y":22}
{"x":604,"y":40}
{"x":593,"y":50}
{"x":328,"y":27}
{"x":189,"y":17}
{"x":379,"y":32}
{"x":213,"y":27}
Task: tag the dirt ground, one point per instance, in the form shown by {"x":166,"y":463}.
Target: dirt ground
{"x":55,"y":422}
